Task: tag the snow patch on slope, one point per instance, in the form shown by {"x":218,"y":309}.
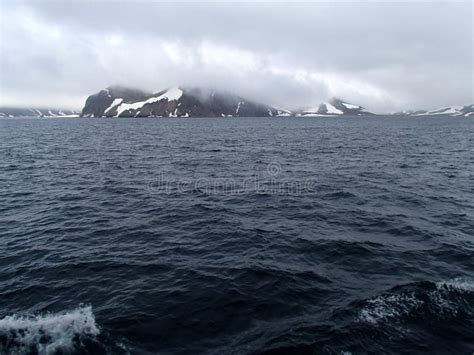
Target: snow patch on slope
{"x":282,"y":112}
{"x":115,"y":103}
{"x":350,"y":106}
{"x":238,"y":107}
{"x":454,"y":110}
{"x":169,"y":95}
{"x":332,"y":110}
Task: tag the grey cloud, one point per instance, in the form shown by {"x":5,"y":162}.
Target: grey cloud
{"x":385,"y":56}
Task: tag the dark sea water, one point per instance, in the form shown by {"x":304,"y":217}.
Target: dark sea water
{"x":237,"y":236}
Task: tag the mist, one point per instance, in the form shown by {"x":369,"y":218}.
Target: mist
{"x":384,"y":56}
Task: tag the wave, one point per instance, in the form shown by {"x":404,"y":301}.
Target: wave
{"x":418,"y":317}
{"x":47,"y":334}
{"x":389,"y":306}
{"x":440,"y":299}
{"x":457,"y":284}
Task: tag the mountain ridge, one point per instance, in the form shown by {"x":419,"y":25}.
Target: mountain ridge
{"x":336,"y":107}
{"x":121,"y":101}
{"x":175,"y":102}
{"x":199,"y":102}
{"x":460,"y":110}
{"x":9,"y":112}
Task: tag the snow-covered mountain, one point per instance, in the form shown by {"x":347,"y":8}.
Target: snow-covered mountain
{"x":335,"y":107}
{"x":119,"y":101}
{"x":174,"y":102}
{"x":466,"y":110}
{"x":194,"y":102}
{"x":36,"y":112}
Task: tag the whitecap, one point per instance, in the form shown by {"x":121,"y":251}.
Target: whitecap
{"x":49,"y":333}
{"x":438,"y":299}
{"x":458,"y":284}
{"x":389,"y":307}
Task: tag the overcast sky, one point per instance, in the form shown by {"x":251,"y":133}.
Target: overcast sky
{"x":385,"y":56}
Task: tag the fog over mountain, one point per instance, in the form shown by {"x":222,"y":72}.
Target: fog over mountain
{"x":384,"y":56}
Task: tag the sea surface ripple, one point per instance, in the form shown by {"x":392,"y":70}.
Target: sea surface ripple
{"x":143,"y":236}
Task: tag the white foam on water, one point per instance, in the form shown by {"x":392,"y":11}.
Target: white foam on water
{"x":458,"y":284}
{"x":59,"y":330}
{"x":389,"y":307}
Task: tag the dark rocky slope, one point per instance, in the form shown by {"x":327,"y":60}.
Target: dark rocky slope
{"x":174,"y":102}
{"x":118,"y":101}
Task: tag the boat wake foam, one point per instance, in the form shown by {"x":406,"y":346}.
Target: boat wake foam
{"x":47,"y":334}
{"x":445,"y":298}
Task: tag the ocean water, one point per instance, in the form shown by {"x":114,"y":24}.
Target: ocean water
{"x":237,"y":236}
